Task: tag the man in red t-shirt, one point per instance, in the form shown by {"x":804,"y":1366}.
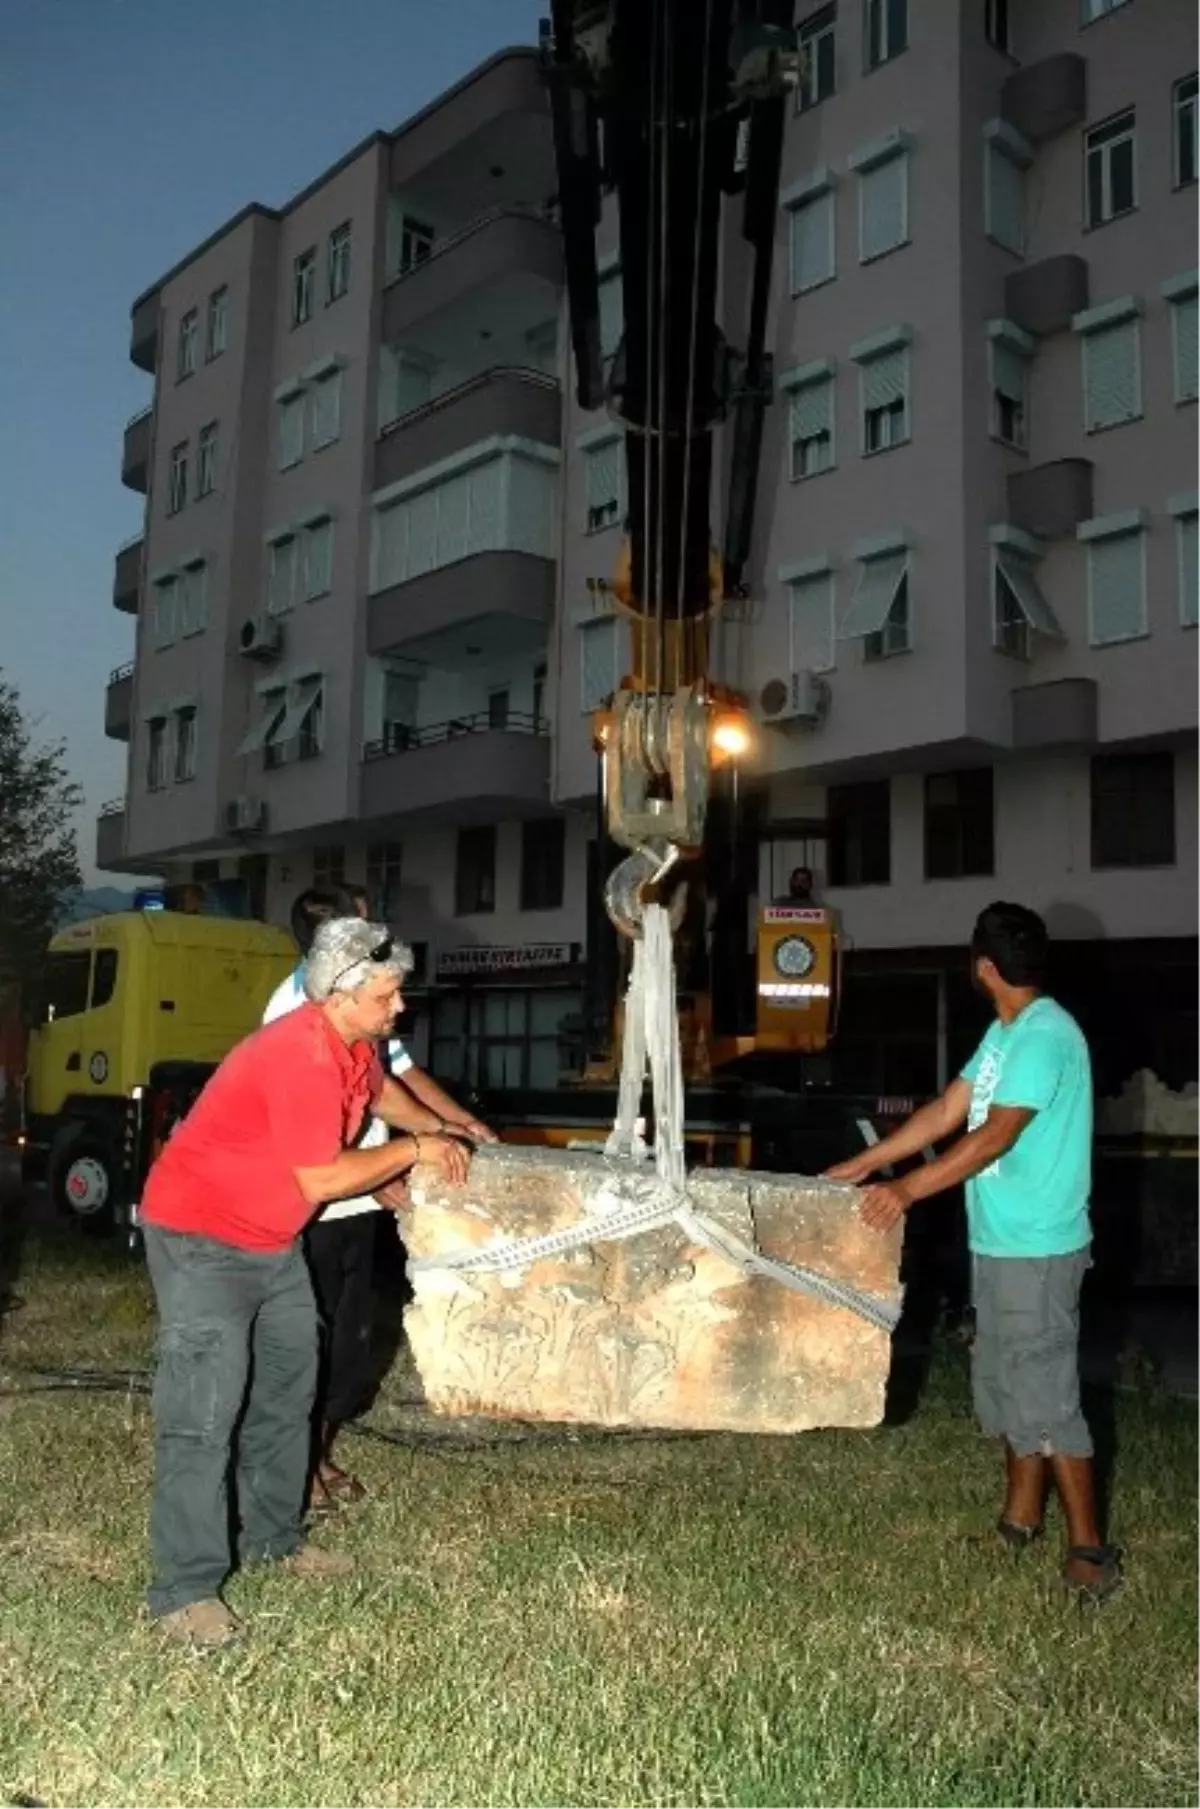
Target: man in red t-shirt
{"x":267,"y":1144}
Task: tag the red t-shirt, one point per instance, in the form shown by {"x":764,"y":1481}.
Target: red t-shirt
{"x":291,"y":1096}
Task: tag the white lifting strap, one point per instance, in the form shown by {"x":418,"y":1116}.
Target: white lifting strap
{"x":652,"y":1033}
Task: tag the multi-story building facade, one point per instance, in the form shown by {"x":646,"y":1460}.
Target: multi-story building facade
{"x":973,"y":586}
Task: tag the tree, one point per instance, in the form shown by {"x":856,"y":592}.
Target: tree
{"x":39,"y":858}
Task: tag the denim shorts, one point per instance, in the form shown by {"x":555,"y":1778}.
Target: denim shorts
{"x":1025,"y":1360}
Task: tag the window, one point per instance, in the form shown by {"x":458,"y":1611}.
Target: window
{"x":959,"y":824}
{"x":291,"y":430}
{"x":104,"y":976}
{"x":177,"y":479}
{"x":612,"y":319}
{"x":310,"y":736}
{"x":996,"y":24}
{"x":217,"y":324}
{"x":206,"y":460}
{"x":156,"y":753}
{"x":185,"y":743}
{"x":475,"y":871}
{"x":1185,"y":322}
{"x":338,"y":262}
{"x":1096,"y":9}
{"x":886,"y":30}
{"x":281,"y":575}
{"x":1133,"y":810}
{"x":325,"y":417}
{"x":599,"y":648}
{"x":1010,"y":393}
{"x":539,"y":698}
{"x":1112,"y":375}
{"x":329,"y":866}
{"x":860,"y":833}
{"x":192,"y":599}
{"x":818,"y":69}
{"x":884,"y":391}
{"x":811,"y":427}
{"x":1004,"y":196}
{"x":1189,"y":578}
{"x":383,"y":878}
{"x":401,"y":695}
{"x":810,"y":623}
{"x":602,"y":473}
{"x":1116,"y":588}
{"x":291,"y":725}
{"x":879,"y":610}
{"x":66,"y":985}
{"x":416,"y":245}
{"x":189,"y":334}
{"x":1019,"y":610}
{"x":811,"y":241}
{"x":497,"y":710}
{"x":883,"y":207}
{"x":1185,"y":131}
{"x":164,"y":620}
{"x":317,"y":557}
{"x":1109,"y":169}
{"x":304,"y":270}
{"x":543,"y":859}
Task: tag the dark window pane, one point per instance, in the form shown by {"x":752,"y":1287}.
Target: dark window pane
{"x":1122,"y":177}
{"x":959,"y":824}
{"x":104,"y":976}
{"x":860,"y":834}
{"x":1133,"y":810}
{"x":897,"y":14}
{"x":67,"y":985}
{"x":543,"y":846}
{"x":1095,"y":187}
{"x":475,"y":871}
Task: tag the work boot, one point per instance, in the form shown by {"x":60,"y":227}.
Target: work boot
{"x":207,"y":1624}
{"x":317,"y":1564}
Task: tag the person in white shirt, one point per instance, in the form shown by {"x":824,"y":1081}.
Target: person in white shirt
{"x":340,"y":1243}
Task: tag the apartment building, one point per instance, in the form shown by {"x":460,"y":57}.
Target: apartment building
{"x":344,"y":589}
{"x":973,"y":594}
{"x":369,"y":628}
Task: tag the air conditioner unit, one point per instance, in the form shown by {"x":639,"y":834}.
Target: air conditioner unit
{"x":261,"y":638}
{"x":802,"y":697}
{"x":243,"y":813}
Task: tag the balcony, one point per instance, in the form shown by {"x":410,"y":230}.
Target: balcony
{"x":1062,"y":714}
{"x":1051,"y":500}
{"x":465,"y":616}
{"x":1042,"y":297}
{"x":503,"y":270}
{"x":143,"y":333}
{"x":110,"y":835}
{"x":504,"y":400}
{"x":118,"y":703}
{"x":462,"y":772}
{"x":135,"y":455}
{"x":127,"y":576}
{"x":1045,"y":98}
{"x":492,"y":127}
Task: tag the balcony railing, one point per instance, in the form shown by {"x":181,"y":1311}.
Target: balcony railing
{"x":115,"y":677}
{"x":517,"y":373}
{"x":545,"y":216}
{"x":399,"y":738}
{"x":114,"y":808}
{"x":143,"y":414}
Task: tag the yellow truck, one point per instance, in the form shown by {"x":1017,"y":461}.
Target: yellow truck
{"x":137,"y":1009}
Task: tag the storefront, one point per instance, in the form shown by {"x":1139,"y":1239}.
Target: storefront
{"x":505,"y":1017}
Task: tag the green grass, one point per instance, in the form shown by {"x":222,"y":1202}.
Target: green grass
{"x":585,"y":1619}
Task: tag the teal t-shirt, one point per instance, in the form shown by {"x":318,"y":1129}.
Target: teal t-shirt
{"x":1033,"y":1201}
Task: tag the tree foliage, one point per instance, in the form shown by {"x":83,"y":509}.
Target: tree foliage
{"x":39,"y":856}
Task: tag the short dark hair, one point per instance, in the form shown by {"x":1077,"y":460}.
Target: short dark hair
{"x":1015,"y":940}
{"x":802,"y":868}
{"x":315,"y":907}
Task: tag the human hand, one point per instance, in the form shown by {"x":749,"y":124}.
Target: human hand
{"x":856,"y":1169}
{"x":446,"y":1154}
{"x":395,"y":1196}
{"x":885,"y":1204}
{"x":479,"y":1132}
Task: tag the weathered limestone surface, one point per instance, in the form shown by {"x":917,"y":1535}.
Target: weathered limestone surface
{"x":652,"y":1330}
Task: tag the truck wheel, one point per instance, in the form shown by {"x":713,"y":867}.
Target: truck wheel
{"x":83,"y":1183}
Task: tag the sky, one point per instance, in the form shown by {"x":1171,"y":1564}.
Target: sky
{"x":129,"y":131}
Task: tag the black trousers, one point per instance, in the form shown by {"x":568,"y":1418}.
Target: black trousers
{"x":233,"y":1391}
{"x":341,"y":1261}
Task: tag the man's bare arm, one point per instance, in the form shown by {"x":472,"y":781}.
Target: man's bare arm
{"x":884,"y":1203}
{"x":435,"y":1099}
{"x":360,"y":1171}
{"x":935,"y":1121}
{"x":403,"y":1111}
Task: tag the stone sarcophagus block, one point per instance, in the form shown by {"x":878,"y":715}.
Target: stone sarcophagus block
{"x":656,"y":1329}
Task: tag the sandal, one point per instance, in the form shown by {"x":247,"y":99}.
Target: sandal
{"x":1107,"y":1560}
{"x":322,"y":1500}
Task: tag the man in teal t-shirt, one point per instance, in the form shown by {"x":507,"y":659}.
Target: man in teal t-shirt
{"x":1025,"y":1100}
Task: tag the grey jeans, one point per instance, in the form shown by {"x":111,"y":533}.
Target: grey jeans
{"x":227,"y":1315}
{"x":1025,"y":1359}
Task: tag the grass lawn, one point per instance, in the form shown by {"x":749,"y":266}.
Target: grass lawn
{"x":541,"y":1618}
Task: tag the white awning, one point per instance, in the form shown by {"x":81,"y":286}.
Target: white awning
{"x":301,"y":698}
{"x":874,"y":596}
{"x":1025,"y":588}
{"x":256,"y":739}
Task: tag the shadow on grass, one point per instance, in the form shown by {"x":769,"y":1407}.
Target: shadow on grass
{"x":14,"y":1230}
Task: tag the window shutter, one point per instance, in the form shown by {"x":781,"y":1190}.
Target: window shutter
{"x":885,"y":379}
{"x":391,"y":556}
{"x":1115,"y":590}
{"x":483,"y":508}
{"x":812,"y":242}
{"x":1186,"y":322}
{"x":1006,"y":201}
{"x":1189,"y":578}
{"x":282,"y":576}
{"x":1111,"y":375}
{"x":812,"y":639}
{"x":812,"y":409}
{"x":883,"y":207}
{"x":422,"y":534}
{"x":604,"y":475}
{"x":873,"y":599}
{"x":291,"y":430}
{"x":598,"y":641}
{"x":1010,"y":371}
{"x":454,"y":540}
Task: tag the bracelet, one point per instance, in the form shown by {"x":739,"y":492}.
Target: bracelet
{"x":416,"y":1143}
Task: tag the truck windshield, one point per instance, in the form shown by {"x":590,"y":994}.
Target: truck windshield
{"x":66,"y":985}
{"x":104,"y":976}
